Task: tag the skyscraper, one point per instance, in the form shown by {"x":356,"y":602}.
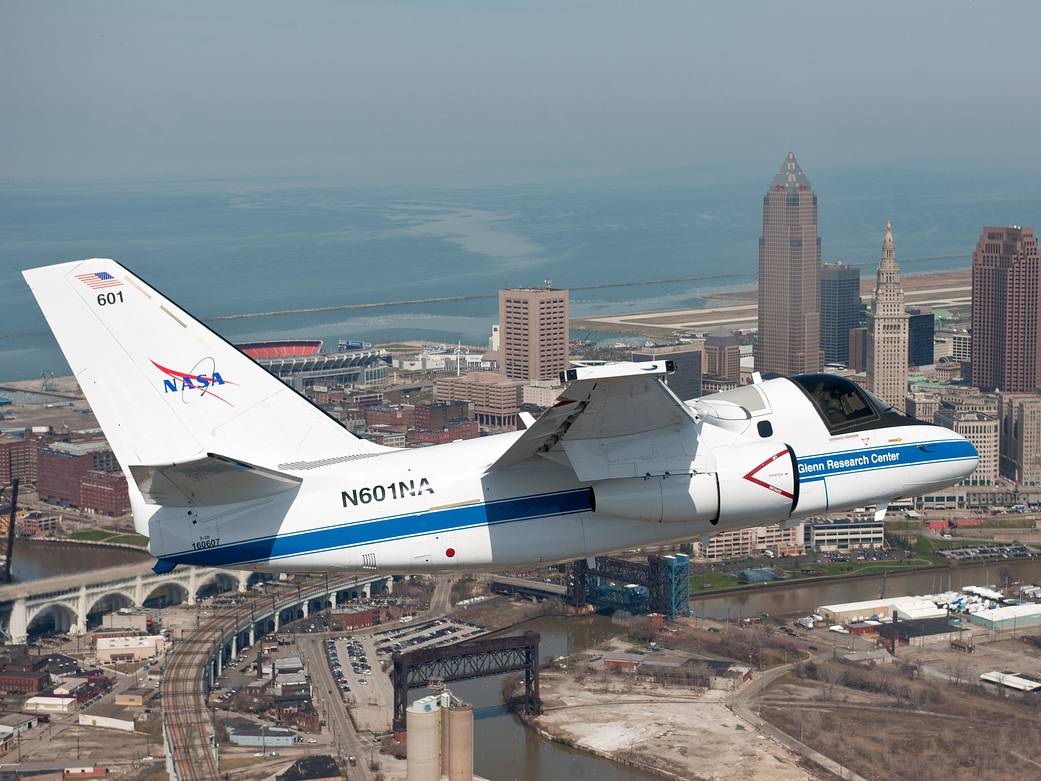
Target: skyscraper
{"x":533,"y":332}
{"x":921,"y":327}
{"x":840,"y":309}
{"x":887,"y":331}
{"x":788,"y":341}
{"x":1006,"y":273}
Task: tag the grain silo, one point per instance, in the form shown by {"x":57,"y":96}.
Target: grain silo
{"x":423,"y":721}
{"x":457,"y":722}
{"x":440,"y":739}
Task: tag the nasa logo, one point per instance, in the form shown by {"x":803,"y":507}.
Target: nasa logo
{"x":194,"y":384}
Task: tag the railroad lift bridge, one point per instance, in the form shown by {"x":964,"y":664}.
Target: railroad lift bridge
{"x":469,"y":659}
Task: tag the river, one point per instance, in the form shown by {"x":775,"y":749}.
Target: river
{"x":804,"y":598}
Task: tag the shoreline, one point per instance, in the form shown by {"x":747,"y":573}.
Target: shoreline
{"x":736,"y":309}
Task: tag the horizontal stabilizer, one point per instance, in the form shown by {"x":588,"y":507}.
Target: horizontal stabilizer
{"x":212,"y":480}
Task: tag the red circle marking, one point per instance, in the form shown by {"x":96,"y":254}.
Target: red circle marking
{"x":450,"y":552}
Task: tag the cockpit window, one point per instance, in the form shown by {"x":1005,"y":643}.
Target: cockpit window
{"x":837,"y":399}
{"x":881,"y":406}
{"x":845,"y":407}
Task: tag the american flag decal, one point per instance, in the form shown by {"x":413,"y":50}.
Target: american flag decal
{"x":98,"y":279}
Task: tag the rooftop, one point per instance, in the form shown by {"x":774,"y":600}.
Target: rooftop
{"x":79,"y":448}
{"x":321,"y":766}
{"x":791,"y":176}
{"x":109,"y":711}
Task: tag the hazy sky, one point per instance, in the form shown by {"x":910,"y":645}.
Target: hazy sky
{"x":401,"y":91}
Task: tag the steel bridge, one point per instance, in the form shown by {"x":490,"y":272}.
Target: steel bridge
{"x":666,"y":579}
{"x":468,"y":659}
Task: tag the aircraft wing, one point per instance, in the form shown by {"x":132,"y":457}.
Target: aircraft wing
{"x":613,"y":420}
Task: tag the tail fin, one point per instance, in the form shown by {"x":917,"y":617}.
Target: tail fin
{"x":167,"y":389}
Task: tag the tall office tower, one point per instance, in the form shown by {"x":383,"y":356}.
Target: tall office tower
{"x":533,"y":332}
{"x":689,"y":360}
{"x":840,"y":309}
{"x":1006,"y":273}
{"x":921,"y":327}
{"x":789,"y":276}
{"x":887,"y":331}
{"x":858,"y":349}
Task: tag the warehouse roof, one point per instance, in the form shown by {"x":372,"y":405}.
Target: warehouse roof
{"x":1010,"y":612}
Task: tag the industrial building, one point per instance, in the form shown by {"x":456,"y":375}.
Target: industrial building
{"x":907,"y":609}
{"x":1007,"y":619}
{"x":243,"y":732}
{"x":44,"y":704}
{"x":23,"y":681}
{"x":109,"y":717}
{"x":1017,"y":681}
{"x":921,"y":631}
{"x":440,"y":739}
{"x":14,"y":724}
{"x":129,"y":649}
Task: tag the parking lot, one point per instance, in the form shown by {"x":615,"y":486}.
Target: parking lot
{"x":428,"y":634}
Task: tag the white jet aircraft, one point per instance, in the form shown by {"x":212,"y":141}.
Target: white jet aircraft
{"x":228,"y":466}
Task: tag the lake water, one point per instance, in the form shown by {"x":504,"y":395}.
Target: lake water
{"x":230,"y":246}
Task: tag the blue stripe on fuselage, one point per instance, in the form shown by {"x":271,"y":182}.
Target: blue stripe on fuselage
{"x":386,"y":529}
{"x":817,"y":467}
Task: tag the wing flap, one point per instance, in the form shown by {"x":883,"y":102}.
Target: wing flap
{"x":615,"y":420}
{"x":211,"y":480}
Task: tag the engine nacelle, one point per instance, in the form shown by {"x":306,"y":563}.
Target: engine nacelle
{"x":754,"y":483}
{"x":672,"y":499}
{"x":758,"y":483}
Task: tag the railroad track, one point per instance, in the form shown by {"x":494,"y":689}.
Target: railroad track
{"x":186,"y":717}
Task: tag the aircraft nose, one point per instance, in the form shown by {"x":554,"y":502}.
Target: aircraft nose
{"x":961,"y":455}
{"x":972,"y":458}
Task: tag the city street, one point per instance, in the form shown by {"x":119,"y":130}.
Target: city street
{"x":330,"y":704}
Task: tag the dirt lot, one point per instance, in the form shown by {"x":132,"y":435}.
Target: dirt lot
{"x":888,"y":722}
{"x":688,"y":733}
{"x":501,"y":611}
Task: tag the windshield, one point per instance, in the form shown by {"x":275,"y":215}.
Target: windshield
{"x":844,"y":406}
{"x":838,"y":400}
